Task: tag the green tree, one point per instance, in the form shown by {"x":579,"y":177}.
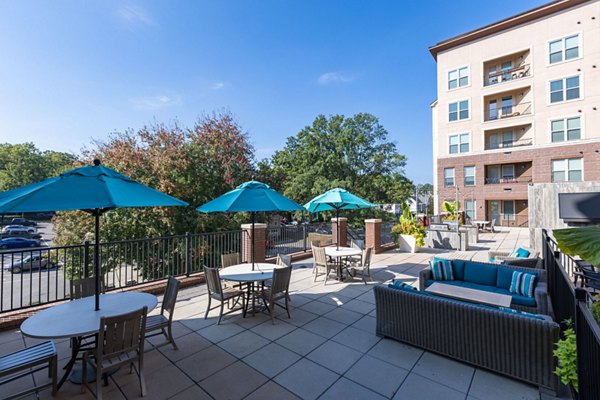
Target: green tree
{"x":353,"y":153}
{"x":22,"y":164}
{"x":195,"y":165}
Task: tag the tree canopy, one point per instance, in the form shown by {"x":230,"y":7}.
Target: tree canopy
{"x":353,"y":153}
{"x":22,"y":164}
{"x":195,"y":165}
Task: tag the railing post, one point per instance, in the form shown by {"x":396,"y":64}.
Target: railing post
{"x":304,"y":237}
{"x":187,"y":254}
{"x":86,"y":259}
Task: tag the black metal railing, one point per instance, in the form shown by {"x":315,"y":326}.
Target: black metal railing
{"x":572,"y":303}
{"x":287,"y":239}
{"x":42,"y":275}
{"x":386,"y":233}
{"x":522,"y":71}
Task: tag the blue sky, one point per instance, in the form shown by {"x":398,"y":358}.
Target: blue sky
{"x":73,"y":71}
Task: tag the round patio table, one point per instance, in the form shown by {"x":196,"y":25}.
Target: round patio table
{"x":244,"y":273}
{"x":78,"y":318}
{"x":340,"y":254}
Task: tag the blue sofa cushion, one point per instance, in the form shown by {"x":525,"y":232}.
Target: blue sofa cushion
{"x":480,"y":273}
{"x":442,"y":270}
{"x":523,"y":283}
{"x":458,"y":267}
{"x":519,"y":253}
{"x":504,"y":278}
{"x":401,"y":285}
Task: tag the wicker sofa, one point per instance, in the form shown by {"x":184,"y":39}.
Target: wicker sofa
{"x":495,"y":278}
{"x":519,"y":346}
{"x":505,"y":257}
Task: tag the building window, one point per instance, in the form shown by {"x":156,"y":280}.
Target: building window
{"x":564,"y":49}
{"x":470,"y":209}
{"x":459,"y":143}
{"x":567,"y":170}
{"x":508,"y":208}
{"x":564,"y":89}
{"x":566,"y":129}
{"x":470,"y":176}
{"x":458,"y":78}
{"x":502,"y":139}
{"x":448,"y":177}
{"x":458,"y":110}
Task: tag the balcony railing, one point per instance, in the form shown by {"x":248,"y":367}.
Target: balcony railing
{"x":509,"y":179}
{"x":512,"y":74}
{"x":523,"y":108}
{"x":510,"y":144}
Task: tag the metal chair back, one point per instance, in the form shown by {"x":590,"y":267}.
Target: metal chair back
{"x":170,"y":297}
{"x":213,"y":281}
{"x":284,"y":260}
{"x":281,"y":280}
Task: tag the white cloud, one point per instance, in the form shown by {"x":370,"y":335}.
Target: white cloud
{"x":135,"y":16}
{"x":335,"y":77}
{"x":155,"y":102}
{"x":218,"y":85}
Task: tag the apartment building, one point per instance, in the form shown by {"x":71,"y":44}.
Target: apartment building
{"x":518,"y":103}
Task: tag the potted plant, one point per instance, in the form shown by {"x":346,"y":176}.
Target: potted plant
{"x":409,"y":232}
{"x":566,"y":354}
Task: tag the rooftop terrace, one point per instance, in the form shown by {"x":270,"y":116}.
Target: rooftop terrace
{"x":327,"y":350}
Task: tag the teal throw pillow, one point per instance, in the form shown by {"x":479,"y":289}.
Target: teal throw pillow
{"x":522,"y":283}
{"x":442,"y":270}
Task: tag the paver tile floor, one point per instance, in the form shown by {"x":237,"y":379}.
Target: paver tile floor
{"x":327,"y":350}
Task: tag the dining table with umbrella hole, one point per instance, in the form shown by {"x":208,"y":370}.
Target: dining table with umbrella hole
{"x":340,"y":255}
{"x":247,"y":274}
{"x":94,"y":189}
{"x":73,"y":319}
{"x":337,"y":199}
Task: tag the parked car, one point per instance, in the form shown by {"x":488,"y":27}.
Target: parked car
{"x":18,"y":243}
{"x":20,"y":232}
{"x":9,"y":228}
{"x":34,"y":261}
{"x":22,"y":221}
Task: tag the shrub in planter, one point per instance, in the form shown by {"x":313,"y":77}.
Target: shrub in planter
{"x":409,"y":225}
{"x":566,"y":353}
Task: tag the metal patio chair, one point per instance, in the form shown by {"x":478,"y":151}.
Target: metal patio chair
{"x":162,"y":323}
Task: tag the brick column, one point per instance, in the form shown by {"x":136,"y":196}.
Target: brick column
{"x":260,"y":234}
{"x":343,"y":224}
{"x":373,"y":234}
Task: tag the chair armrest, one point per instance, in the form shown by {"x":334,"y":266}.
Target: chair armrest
{"x":541,"y":298}
{"x":424,"y":276}
{"x":497,"y":255}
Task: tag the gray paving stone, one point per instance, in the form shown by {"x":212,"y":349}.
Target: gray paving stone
{"x":306,"y":379}
{"x":334,"y":356}
{"x":271,"y":359}
{"x":324,"y":327}
{"x":301,"y":341}
{"x":377,"y":375}
{"x":445,"y":371}
{"x":399,"y":354}
{"x":486,"y":385}
{"x":415,"y":387}
{"x":349,"y":390}
{"x":233,"y":382}
{"x":243,"y":343}
{"x":357,"y":339}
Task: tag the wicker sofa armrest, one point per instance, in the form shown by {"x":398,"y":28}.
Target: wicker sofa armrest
{"x":424,"y":276}
{"x":497,"y":255}
{"x":524,"y":262}
{"x":541,"y":298}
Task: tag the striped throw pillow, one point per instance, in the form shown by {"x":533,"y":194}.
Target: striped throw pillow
{"x":442,"y":270}
{"x":522,"y":283}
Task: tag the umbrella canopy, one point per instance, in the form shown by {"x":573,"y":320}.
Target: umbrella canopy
{"x":337,"y":199}
{"x":94,"y":189}
{"x":253,"y":197}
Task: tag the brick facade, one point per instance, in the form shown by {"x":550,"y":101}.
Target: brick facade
{"x":373,"y":234}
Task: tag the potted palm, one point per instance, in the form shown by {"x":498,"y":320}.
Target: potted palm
{"x":409,"y":232}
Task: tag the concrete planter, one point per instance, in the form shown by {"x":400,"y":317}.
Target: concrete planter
{"x":408,"y":243}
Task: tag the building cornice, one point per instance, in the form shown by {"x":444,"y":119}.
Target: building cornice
{"x":508,"y":23}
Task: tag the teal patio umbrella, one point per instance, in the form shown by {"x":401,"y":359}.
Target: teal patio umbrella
{"x":337,"y":199}
{"x":252,"y":197}
{"x":94,"y":189}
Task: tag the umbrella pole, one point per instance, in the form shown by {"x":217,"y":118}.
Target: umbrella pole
{"x":97,"y":259}
{"x":252,"y":244}
{"x":337,"y":224}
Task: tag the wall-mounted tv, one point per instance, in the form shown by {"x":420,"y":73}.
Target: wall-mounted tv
{"x":579,"y":208}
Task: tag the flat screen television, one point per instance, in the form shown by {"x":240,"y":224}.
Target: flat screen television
{"x":579,"y":208}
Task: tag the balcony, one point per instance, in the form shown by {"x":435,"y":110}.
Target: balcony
{"x":508,"y":173}
{"x":507,"y":68}
{"x":507,"y":138}
{"x":507,"y":111}
{"x":522,"y":71}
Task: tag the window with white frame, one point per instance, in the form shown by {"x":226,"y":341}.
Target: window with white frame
{"x":564,"y":49}
{"x":470,"y":209}
{"x":458,"y":110}
{"x":448,"y":177}
{"x":567,"y":170}
{"x":565,"y":129}
{"x":469,"y":173}
{"x":459,"y":143}
{"x":458,"y":78}
{"x":564,"y":89}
